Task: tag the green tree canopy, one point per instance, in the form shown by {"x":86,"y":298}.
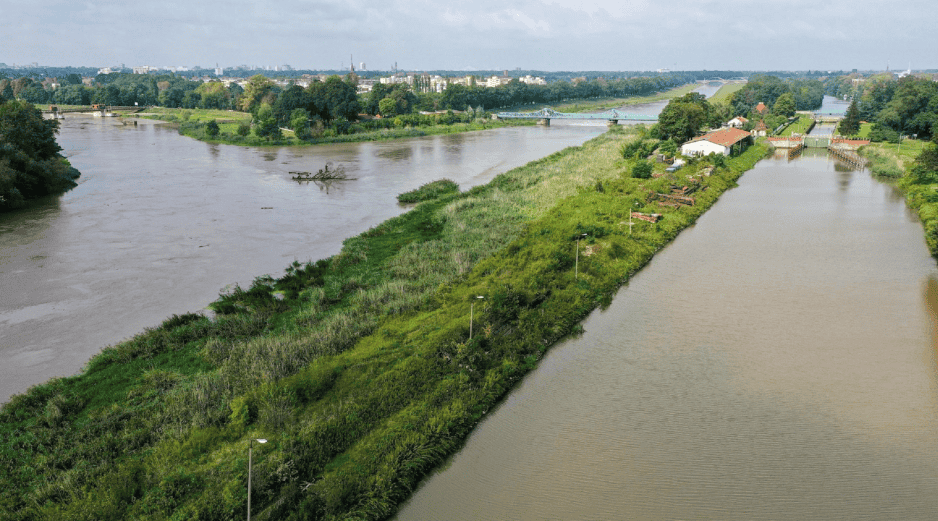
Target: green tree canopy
{"x":682,"y":119}
{"x":30,"y":164}
{"x":784,"y":105}
{"x":850,"y":125}
{"x":258,"y":90}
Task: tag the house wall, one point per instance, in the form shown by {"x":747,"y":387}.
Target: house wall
{"x":702,"y":148}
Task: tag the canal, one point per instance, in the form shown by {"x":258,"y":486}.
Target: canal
{"x":776,"y":361}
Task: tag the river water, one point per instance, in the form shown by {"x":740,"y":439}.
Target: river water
{"x":776,"y":361}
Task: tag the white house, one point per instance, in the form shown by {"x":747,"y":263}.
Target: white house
{"x":719,"y":142}
{"x":737,"y":122}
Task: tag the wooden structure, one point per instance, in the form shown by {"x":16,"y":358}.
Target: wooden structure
{"x":650,"y":217}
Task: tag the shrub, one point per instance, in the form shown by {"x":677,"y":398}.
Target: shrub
{"x":431,"y":190}
{"x":642,"y":170}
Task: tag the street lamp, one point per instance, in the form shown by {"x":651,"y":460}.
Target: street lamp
{"x":471,"y":307}
{"x":576,"y":267}
{"x":250,"y":450}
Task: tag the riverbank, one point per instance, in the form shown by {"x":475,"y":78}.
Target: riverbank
{"x":192,"y":123}
{"x":358,"y":368}
{"x":611,"y":103}
{"x":893,"y":162}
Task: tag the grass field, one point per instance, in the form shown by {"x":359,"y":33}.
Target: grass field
{"x":725,"y":92}
{"x":801,"y":126}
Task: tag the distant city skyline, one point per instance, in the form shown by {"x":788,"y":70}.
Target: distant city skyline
{"x":547,"y":35}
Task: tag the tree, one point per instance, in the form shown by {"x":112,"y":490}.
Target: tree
{"x":265,"y":124}
{"x":668,"y":148}
{"x":785,"y":105}
{"x":299,"y":122}
{"x":30,"y":164}
{"x":681,"y":120}
{"x":211,"y":128}
{"x":925,"y":170}
{"x":387,"y":107}
{"x":850,"y":125}
{"x":259,"y":87}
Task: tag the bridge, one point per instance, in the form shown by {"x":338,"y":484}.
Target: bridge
{"x":546,"y":114}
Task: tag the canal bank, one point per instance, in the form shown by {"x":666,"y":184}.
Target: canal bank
{"x":776,"y":361}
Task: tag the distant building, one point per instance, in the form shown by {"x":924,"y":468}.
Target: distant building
{"x":718,"y":142}
{"x":497,"y":81}
{"x":532,"y":80}
{"x":737,"y":122}
{"x":761,"y":108}
{"x":143,"y":69}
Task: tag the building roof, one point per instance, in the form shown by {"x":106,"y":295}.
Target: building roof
{"x":761,"y":125}
{"x":760,"y":108}
{"x":725,"y":137}
{"x":744,"y":120}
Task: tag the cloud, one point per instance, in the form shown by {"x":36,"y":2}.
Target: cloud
{"x":423,"y":34}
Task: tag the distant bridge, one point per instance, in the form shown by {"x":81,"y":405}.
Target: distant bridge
{"x":546,"y":114}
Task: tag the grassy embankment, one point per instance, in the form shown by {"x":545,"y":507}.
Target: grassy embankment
{"x":893,"y":162}
{"x":609,"y":103}
{"x":725,"y":92}
{"x":191,"y":123}
{"x":357,"y":368}
{"x":802,"y":126}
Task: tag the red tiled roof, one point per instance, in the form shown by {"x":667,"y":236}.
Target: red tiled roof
{"x":761,"y":125}
{"x":744,"y":120}
{"x":760,"y":107}
{"x":855,"y":142}
{"x":726,"y":137}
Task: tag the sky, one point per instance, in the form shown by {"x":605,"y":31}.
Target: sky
{"x":549,"y":35}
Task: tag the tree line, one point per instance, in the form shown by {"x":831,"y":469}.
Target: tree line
{"x":895,"y":107}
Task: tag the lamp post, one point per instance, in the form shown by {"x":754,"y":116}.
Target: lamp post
{"x":471,"y":309}
{"x":576,"y":266}
{"x":250,"y":450}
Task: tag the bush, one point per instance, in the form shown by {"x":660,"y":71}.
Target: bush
{"x":431,"y":190}
{"x":211,"y":128}
{"x":244,"y":129}
{"x":642,"y":170}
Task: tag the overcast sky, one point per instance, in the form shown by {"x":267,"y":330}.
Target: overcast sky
{"x":470,"y":35}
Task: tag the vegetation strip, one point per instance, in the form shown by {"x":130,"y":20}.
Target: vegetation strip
{"x":359,"y":369}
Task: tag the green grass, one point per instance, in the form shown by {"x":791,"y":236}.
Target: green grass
{"x":431,"y":190}
{"x":865,"y":129}
{"x":610,"y":103}
{"x":358,"y":368}
{"x":802,"y":125}
{"x":191,"y":123}
{"x":725,"y":92}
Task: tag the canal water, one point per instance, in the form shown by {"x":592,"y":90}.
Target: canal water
{"x":776,"y":361}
